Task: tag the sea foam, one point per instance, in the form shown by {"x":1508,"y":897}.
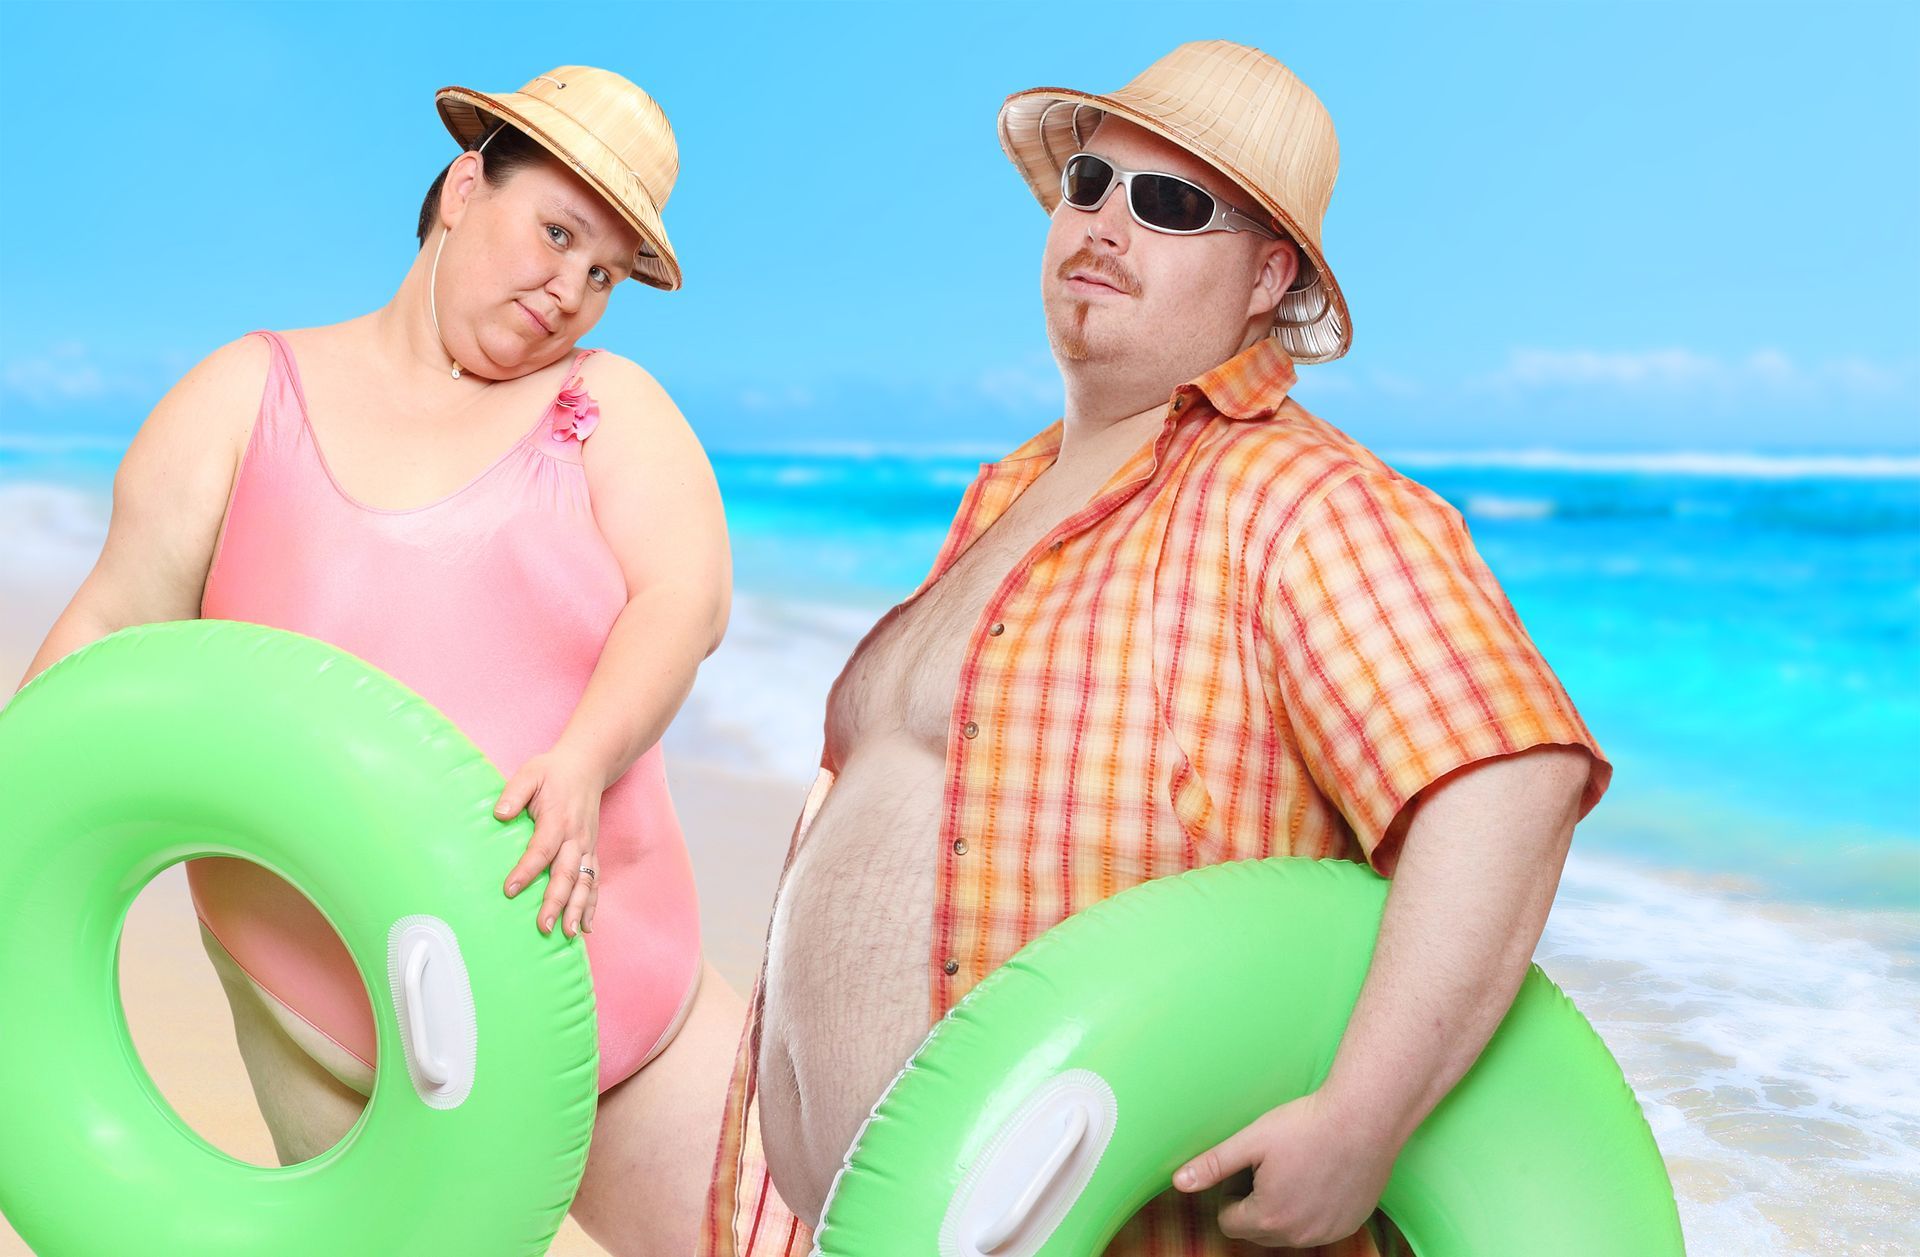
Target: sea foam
{"x":1669,"y":463}
{"x":53,"y":533}
{"x":1773,"y":1047}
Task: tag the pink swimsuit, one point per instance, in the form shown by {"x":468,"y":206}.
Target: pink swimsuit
{"x":493,"y":603}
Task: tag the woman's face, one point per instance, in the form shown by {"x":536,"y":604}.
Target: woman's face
{"x":527,"y":267}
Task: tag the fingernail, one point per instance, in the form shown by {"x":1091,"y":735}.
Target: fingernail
{"x":513,"y":888}
{"x":547,"y":925}
{"x":1183,"y":1180}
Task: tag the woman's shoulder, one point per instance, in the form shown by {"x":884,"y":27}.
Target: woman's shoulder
{"x":616,"y":370}
{"x":222,"y":389}
{"x":621,"y":384}
{"x":180,"y":465}
{"x":243,"y":362}
{"x":243,"y":358}
{"x":640,"y":428}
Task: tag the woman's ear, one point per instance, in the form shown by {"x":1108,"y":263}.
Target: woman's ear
{"x":459,"y":188}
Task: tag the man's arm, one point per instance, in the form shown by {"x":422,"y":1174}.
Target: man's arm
{"x":1477,"y":871}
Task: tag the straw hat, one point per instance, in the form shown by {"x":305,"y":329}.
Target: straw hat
{"x":611,"y":133}
{"x":1240,"y":111}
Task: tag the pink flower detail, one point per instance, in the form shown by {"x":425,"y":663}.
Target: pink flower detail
{"x":580,"y":414}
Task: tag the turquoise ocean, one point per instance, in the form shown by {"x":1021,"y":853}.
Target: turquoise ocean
{"x":1741,"y":917}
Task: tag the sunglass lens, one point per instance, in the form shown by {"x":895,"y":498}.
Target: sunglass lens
{"x":1174,"y":204}
{"x":1085,"y":180}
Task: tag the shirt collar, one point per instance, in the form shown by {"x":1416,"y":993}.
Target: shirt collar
{"x":1249,"y":386}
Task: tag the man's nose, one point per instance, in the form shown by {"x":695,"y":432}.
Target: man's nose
{"x":1111,"y":225}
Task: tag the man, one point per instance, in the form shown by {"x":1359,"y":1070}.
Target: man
{"x":1187,"y":623}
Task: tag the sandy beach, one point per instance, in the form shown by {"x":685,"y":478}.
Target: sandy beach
{"x":737,"y":827}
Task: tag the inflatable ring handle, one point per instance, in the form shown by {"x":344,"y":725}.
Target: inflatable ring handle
{"x":1010,"y":1223}
{"x":432,"y":1068}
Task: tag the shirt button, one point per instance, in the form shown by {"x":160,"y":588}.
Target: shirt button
{"x":997,"y":629}
{"x":970,"y":729}
{"x":959,"y":846}
{"x":951,"y":967}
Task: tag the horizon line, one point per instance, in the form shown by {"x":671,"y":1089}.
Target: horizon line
{"x":1739,"y":463}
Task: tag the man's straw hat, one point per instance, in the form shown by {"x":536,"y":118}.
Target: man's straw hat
{"x":610,"y":132}
{"x":1240,"y":111}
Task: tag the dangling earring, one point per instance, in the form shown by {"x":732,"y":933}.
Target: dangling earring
{"x":433,"y":277}
{"x":433,"y":308}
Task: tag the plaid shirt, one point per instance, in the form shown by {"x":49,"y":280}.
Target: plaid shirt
{"x":1257,"y":639}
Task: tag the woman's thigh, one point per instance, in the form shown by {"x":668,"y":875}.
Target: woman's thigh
{"x":656,"y":1133}
{"x":307,"y":1109}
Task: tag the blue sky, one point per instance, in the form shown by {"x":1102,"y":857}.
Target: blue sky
{"x":1586,"y":227}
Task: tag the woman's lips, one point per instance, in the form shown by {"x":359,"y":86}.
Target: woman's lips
{"x":535,"y":319}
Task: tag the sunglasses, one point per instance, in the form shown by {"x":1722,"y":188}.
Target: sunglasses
{"x":1160,"y":202}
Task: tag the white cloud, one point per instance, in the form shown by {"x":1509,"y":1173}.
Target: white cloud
{"x":1400,"y":387}
{"x":788,"y":397}
{"x":1023,"y":388}
{"x":64,"y":373}
{"x":1686,"y":374}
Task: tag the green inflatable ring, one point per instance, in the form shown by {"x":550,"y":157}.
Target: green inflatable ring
{"x":1061,"y":1094}
{"x":172,"y":741}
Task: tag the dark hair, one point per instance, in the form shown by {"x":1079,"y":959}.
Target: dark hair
{"x":508,"y":150}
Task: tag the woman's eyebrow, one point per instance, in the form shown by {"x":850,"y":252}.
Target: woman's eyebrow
{"x":568,"y":211}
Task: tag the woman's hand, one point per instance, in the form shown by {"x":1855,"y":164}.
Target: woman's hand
{"x":562,"y":793}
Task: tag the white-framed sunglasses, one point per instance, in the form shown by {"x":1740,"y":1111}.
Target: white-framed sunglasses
{"x":1158,"y":201}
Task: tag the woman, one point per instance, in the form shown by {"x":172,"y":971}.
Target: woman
{"x":347,"y":482}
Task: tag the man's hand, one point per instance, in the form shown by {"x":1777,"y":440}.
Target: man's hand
{"x":1315,"y":1179}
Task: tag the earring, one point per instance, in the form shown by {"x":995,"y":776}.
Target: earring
{"x":433,"y":307}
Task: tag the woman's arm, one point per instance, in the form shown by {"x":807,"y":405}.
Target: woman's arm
{"x":656,"y":502}
{"x":169,"y":497}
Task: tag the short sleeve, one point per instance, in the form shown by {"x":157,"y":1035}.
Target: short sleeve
{"x":1400,"y":660}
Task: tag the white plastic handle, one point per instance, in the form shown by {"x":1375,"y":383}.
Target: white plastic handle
{"x":430,"y":1066}
{"x":995,"y":1236}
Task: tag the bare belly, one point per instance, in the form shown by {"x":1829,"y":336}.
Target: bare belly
{"x":847,"y":997}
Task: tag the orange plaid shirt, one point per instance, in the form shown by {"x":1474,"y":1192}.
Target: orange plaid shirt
{"x":1257,"y":639}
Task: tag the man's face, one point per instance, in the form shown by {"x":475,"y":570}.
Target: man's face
{"x":1114,"y":289}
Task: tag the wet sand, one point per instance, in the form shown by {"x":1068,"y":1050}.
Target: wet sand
{"x":736,"y":826}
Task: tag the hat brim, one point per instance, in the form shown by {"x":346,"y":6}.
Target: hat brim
{"x":1312,"y":323}
{"x":467,"y":114}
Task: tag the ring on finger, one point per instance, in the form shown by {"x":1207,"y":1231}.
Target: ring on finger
{"x":587,"y":871}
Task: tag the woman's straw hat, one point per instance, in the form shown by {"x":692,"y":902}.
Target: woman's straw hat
{"x":1240,"y":111}
{"x":610,"y":132}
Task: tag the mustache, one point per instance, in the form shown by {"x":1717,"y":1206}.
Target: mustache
{"x":1105,"y":268}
